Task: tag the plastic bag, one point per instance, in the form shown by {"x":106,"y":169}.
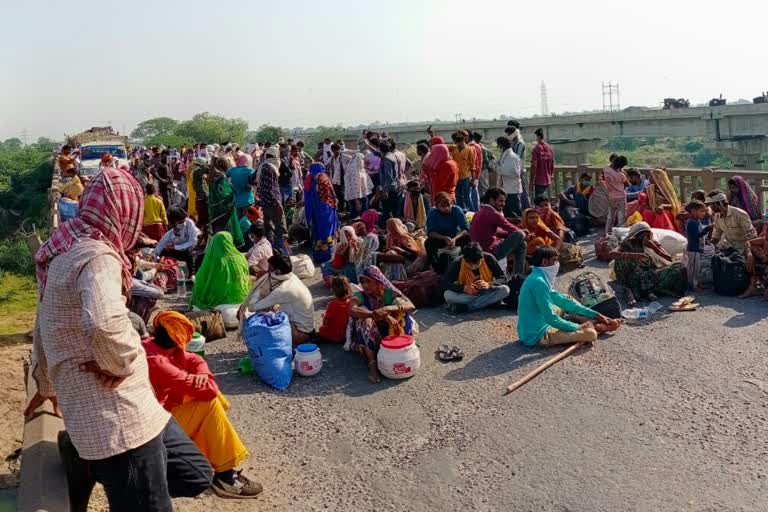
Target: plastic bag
{"x":303,"y":266}
{"x":268,"y":339}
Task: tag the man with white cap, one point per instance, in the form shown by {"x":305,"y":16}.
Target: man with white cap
{"x":733,"y":227}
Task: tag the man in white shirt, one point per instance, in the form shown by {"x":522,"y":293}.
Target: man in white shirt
{"x":179,"y":241}
{"x":509,"y":169}
{"x":281,"y":287}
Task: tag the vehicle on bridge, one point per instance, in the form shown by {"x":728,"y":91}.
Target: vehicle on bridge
{"x":91,"y":152}
{"x":670,"y":103}
{"x":763,"y":98}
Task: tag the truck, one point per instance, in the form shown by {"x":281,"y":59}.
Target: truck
{"x":91,"y":152}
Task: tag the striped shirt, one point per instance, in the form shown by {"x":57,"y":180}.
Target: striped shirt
{"x":82,"y":317}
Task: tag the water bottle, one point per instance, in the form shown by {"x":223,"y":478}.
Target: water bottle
{"x":181,"y":281}
{"x":641,"y":313}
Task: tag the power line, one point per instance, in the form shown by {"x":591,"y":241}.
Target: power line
{"x":611,"y":99}
{"x":544,"y":101}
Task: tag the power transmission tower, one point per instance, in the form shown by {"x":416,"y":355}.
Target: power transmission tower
{"x":611,"y":99}
{"x":544,"y":102}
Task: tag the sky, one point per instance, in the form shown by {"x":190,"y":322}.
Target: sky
{"x":67,"y":66}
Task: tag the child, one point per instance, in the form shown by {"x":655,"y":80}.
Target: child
{"x":616,"y":182}
{"x":334,"y":328}
{"x":700,"y":195}
{"x":290,"y":210}
{"x":695,"y":231}
{"x":155,"y":218}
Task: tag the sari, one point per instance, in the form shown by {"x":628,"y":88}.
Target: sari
{"x":221,"y":210}
{"x":366,"y":333}
{"x":552,"y":219}
{"x":223,"y":275}
{"x":344,"y":256}
{"x":746,"y":199}
{"x":191,"y":194}
{"x":659,"y":193}
{"x":320,"y":211}
{"x":659,"y":276}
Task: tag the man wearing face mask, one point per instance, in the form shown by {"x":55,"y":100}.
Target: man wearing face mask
{"x":577,"y":196}
{"x":474,"y":281}
{"x":540,"y":308}
{"x":180,"y":239}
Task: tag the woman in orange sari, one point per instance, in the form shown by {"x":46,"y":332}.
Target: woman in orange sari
{"x":538,"y":232}
{"x":659,"y":204}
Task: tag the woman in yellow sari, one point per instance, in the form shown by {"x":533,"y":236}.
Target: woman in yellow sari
{"x":538,"y":232}
{"x":185,"y":386}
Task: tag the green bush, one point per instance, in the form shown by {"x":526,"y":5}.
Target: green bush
{"x":15,"y":256}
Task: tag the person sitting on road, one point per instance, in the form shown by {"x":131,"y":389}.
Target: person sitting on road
{"x":541,"y":307}
{"x":758,"y":270}
{"x":336,"y":317}
{"x":281,"y":287}
{"x":474,"y":281}
{"x":733,"y":227}
{"x":223,"y":275}
{"x":538,"y":233}
{"x":577,"y":196}
{"x":447,"y":228}
{"x":496,"y":234}
{"x":379,"y":310}
{"x":552,"y":219}
{"x":180,"y":240}
{"x":261,"y":250}
{"x":185,"y":387}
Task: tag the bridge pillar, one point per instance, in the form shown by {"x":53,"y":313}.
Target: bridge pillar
{"x":747,"y":153}
{"x":575,"y":152}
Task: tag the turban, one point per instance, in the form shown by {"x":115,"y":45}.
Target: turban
{"x":178,"y":327}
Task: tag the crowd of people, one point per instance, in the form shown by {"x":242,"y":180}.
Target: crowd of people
{"x":230,"y":221}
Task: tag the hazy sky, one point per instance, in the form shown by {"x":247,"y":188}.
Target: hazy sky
{"x":69,"y":65}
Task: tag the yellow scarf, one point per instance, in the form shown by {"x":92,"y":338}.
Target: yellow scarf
{"x":466,"y":276}
{"x":420,"y":217}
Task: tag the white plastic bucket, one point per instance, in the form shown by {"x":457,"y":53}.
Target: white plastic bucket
{"x":399,"y":357}
{"x":308,"y":360}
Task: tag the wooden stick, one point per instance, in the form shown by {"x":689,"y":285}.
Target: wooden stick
{"x":562,"y":355}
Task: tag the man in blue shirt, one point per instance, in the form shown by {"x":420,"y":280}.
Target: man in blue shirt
{"x":637,"y":184}
{"x":540,"y":307}
{"x":447,"y":228}
{"x":240,"y":178}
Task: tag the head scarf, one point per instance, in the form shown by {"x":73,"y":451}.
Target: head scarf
{"x":324,"y":187}
{"x":111,"y":210}
{"x":662,"y":191}
{"x":398,"y":236}
{"x":438,"y":155}
{"x":436,"y":140}
{"x":747,"y":199}
{"x":253,"y":213}
{"x":223,"y":276}
{"x":346,"y":235}
{"x":526,"y":224}
{"x":369,"y":245}
{"x":638,"y":228}
{"x":178,"y":327}
{"x":374,"y":273}
{"x":371,"y":219}
{"x":273,"y":152}
{"x":244,"y":160}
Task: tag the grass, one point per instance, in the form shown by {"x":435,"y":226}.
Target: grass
{"x":18,"y":298}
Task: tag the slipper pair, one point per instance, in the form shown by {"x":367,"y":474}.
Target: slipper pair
{"x":446,"y":353}
{"x":684,"y":304}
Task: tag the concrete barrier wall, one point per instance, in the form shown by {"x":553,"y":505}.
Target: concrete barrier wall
{"x":43,"y":486}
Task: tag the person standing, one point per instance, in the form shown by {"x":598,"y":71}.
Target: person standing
{"x":268,"y":191}
{"x":484,"y":180}
{"x":88,"y":359}
{"x":240,"y":177}
{"x":464,"y":156}
{"x":615,"y":183}
{"x":542,"y":165}
{"x":391,"y":188}
{"x":336,"y":170}
{"x":478,"y":151}
{"x":357,"y":183}
{"x":518,"y":146}
{"x":509,"y":171}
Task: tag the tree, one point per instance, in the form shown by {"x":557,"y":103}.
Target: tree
{"x":267,"y":133}
{"x":45,"y":144}
{"x":156,"y":127}
{"x":209,"y":128}
{"x":11,"y":144}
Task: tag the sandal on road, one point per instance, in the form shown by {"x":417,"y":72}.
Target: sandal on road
{"x":447,"y":354}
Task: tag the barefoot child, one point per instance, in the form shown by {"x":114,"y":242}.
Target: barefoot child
{"x":336,"y":317}
{"x":695,"y":231}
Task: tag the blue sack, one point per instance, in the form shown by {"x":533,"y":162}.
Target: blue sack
{"x":67,"y":209}
{"x":268,"y":339}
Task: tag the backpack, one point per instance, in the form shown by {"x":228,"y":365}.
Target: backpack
{"x":589,"y":290}
{"x":604,"y":246}
{"x":424,"y":289}
{"x":570,"y":257}
{"x":729,"y":273}
{"x":598,"y":202}
{"x":515,"y":283}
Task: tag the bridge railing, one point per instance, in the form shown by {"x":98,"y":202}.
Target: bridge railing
{"x":685,"y":181}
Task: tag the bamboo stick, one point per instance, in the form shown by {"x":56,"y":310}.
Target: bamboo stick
{"x":562,"y":355}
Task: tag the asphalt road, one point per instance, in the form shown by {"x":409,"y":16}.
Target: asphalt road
{"x":670,"y":414}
